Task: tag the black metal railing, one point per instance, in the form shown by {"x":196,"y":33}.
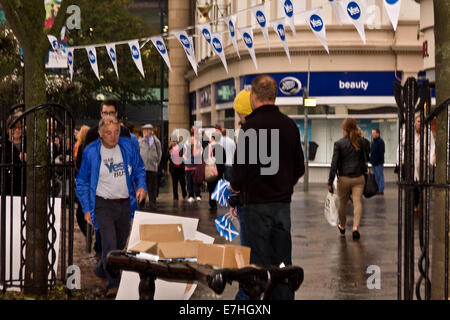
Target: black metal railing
{"x":416,"y":187}
{"x":16,"y":166}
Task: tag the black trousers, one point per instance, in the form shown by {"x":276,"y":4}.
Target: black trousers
{"x":152,"y":186}
{"x":268,"y":233}
{"x":178,"y":176}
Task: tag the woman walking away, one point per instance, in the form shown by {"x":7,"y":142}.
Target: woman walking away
{"x":349,"y":164}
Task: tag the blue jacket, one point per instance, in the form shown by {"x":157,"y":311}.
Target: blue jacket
{"x":377,"y":152}
{"x":87,"y":178}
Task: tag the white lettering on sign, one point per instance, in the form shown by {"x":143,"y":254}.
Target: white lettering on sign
{"x":353,"y":85}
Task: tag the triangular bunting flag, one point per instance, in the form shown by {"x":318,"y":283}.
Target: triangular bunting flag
{"x":393,"y":10}
{"x":188,"y":47}
{"x":231,"y":23}
{"x":289,"y":11}
{"x":355,"y":10}
{"x":278,"y":26}
{"x":70,"y":60}
{"x":92,"y":56}
{"x":136,"y":55}
{"x":158,"y":42}
{"x":247,"y":37}
{"x":205,"y":30}
{"x":54,"y":42}
{"x":317,"y":25}
{"x":216,"y":43}
{"x":111,"y":49}
{"x":259,"y":13}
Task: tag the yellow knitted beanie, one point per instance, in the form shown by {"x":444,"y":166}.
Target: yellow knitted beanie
{"x":242,"y":103}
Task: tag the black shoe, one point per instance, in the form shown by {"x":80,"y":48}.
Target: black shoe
{"x":380,"y":193}
{"x":356,"y":235}
{"x":342,"y":231}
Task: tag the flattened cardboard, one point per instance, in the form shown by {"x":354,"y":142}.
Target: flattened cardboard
{"x":143,"y":246}
{"x":184,"y":249}
{"x":161,"y":232}
{"x":223,"y":255}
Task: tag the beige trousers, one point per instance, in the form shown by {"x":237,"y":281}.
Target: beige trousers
{"x":355,"y":187}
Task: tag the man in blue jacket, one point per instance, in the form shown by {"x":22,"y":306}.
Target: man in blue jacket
{"x":104,"y":185}
{"x":377,"y":159}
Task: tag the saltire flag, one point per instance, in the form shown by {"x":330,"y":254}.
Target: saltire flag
{"x":393,"y":10}
{"x":226,"y":228}
{"x":355,"y":10}
{"x":188,"y":47}
{"x":205,"y":30}
{"x":317,"y":25}
{"x":221,"y":192}
{"x":337,"y":9}
{"x":289,"y":11}
{"x":216,"y":43}
{"x":231,"y":23}
{"x":259,"y":13}
{"x":158,"y":42}
{"x":111,"y":49}
{"x":136,"y":55}
{"x":247,"y":37}
{"x":54,"y":42}
{"x":92,"y":56}
{"x":70,"y":60}
{"x":278,"y":26}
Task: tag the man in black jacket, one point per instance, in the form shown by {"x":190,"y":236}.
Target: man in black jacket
{"x":266,"y":184}
{"x":377,"y":159}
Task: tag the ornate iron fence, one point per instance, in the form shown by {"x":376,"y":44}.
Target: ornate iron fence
{"x":16,"y":165}
{"x":416,"y":186}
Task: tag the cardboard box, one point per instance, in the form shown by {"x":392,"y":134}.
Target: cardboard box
{"x":166,"y":241}
{"x":223,"y":255}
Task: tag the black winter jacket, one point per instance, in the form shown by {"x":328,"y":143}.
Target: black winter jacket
{"x":347,"y":161}
{"x":247,"y":177}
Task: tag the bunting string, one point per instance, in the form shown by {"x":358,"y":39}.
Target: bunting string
{"x":352,"y":10}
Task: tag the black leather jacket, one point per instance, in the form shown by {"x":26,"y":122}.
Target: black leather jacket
{"x":347,"y":161}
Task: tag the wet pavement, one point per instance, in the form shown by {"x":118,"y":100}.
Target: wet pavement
{"x":335,"y":267}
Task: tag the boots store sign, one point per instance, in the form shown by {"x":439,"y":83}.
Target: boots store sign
{"x":326,"y":84}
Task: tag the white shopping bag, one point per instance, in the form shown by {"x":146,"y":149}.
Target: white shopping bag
{"x":331,"y":209}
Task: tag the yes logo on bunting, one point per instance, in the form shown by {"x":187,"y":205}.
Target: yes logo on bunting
{"x":354,"y":11}
{"x":281,"y":32}
{"x":289,"y":11}
{"x":92,"y":56}
{"x":70,"y":58}
{"x":111,"y":49}
{"x":135,"y":52}
{"x":207,"y":35}
{"x":231,"y":27}
{"x":217,"y":45}
{"x":231,"y":22}
{"x":258,"y":12}
{"x":112,"y":54}
{"x":70,"y":62}
{"x":316,"y":23}
{"x":261,"y":18}
{"x":248,"y":40}
{"x":185,"y":42}
{"x":161,"y":47}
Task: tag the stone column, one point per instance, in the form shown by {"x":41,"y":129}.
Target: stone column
{"x":178,"y":86}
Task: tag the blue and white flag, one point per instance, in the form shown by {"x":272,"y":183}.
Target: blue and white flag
{"x":70,"y":60}
{"x":136,"y":55}
{"x":111,"y":49}
{"x":92,"y":56}
{"x":221,"y":192}
{"x":317,"y":25}
{"x":289,"y":11}
{"x":226,"y":228}
{"x":158,"y":42}
{"x":188,"y":46}
{"x":278,"y":26}
{"x":260,"y":15}
{"x":54,"y":42}
{"x":216,"y":43}
{"x":205,"y":30}
{"x":337,"y":9}
{"x":231,"y":23}
{"x":356,"y":11}
{"x":393,"y":10}
{"x":247,"y":37}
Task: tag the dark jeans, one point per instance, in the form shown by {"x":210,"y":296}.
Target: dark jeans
{"x":113,"y":220}
{"x":193,"y":188}
{"x":241,"y":295}
{"x":178,"y":176}
{"x":268,"y":233}
{"x":152,"y":186}
{"x":227,"y":172}
{"x":211,"y":187}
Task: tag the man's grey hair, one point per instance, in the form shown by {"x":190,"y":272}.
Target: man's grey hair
{"x":107,"y":120}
